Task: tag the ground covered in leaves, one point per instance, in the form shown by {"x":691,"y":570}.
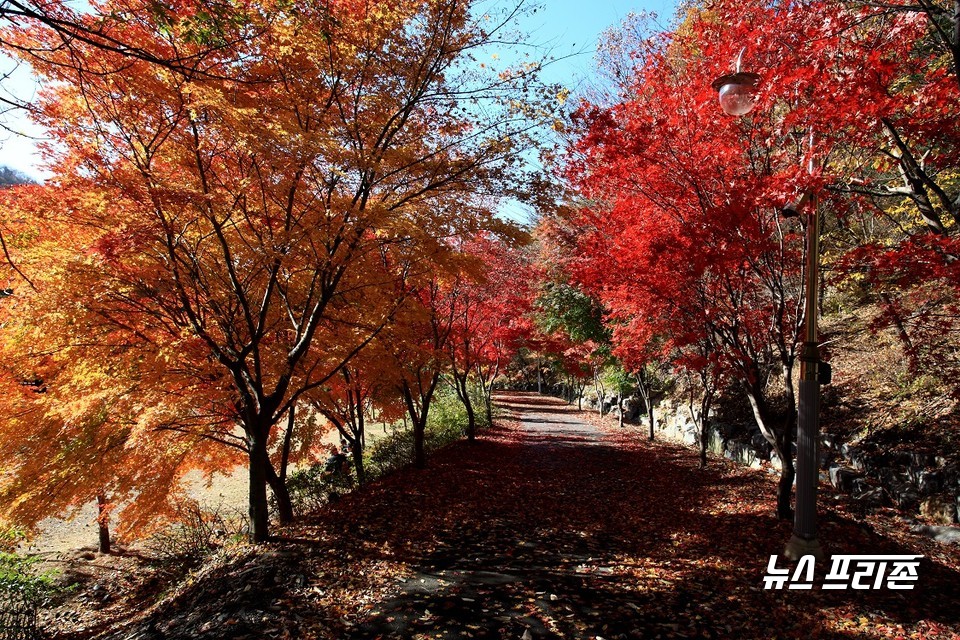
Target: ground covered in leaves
{"x":551,"y":526}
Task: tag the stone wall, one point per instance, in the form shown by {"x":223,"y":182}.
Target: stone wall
{"x":912,"y":481}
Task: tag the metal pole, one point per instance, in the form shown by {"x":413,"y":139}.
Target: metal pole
{"x":804,"y":539}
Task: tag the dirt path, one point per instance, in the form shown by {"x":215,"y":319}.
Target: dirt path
{"x":546,"y":422}
{"x":528,"y":568}
{"x":550,"y":527}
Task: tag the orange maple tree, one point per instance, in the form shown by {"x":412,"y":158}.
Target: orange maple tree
{"x":234,"y":223}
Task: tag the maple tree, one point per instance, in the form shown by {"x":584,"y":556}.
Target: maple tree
{"x":71,"y":427}
{"x":348,"y":400}
{"x":888,"y":154}
{"x":488,"y":318}
{"x":418,"y":346}
{"x":691,"y":261}
{"x":682,"y":242}
{"x":240,"y":222}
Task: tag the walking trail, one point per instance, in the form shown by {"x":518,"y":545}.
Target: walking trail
{"x":550,"y":526}
{"x":558,"y":528}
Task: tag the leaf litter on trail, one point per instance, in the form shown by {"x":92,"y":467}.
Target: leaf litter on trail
{"x":619,"y":538}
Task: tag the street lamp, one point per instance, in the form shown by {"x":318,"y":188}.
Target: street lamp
{"x":737,"y":97}
{"x":737,"y":90}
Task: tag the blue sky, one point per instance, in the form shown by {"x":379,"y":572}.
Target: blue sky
{"x":570,"y":27}
{"x":573,"y":27}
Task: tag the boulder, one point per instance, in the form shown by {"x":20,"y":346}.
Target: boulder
{"x":943,"y":535}
{"x":856,"y":458}
{"x":929,"y":482}
{"x":740,"y":452}
{"x":860,"y":486}
{"x":760,"y":445}
{"x":631,"y":406}
{"x":842,"y":478}
{"x":941,"y":509}
{"x":871,"y":499}
{"x":905,"y":495}
{"x":775,"y":462}
{"x":716,"y":442}
{"x":918,"y":458}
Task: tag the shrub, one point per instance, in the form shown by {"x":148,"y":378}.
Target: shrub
{"x":390,"y":453}
{"x":23,"y":588}
{"x":19,"y":573}
{"x":196,"y":534}
{"x":313,"y":487}
{"x":446,"y":424}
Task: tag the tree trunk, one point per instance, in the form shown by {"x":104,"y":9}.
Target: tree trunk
{"x":360,"y":444}
{"x":785,"y":486}
{"x":488,"y":390}
{"x":461,"y":384}
{"x":278,"y":486}
{"x":103,"y":523}
{"x":601,"y":391}
{"x":781,"y":441}
{"x":358,"y":465}
{"x":418,"y":408}
{"x":539,"y":376}
{"x":646,"y":394}
{"x":471,"y":422}
{"x":704,"y":431}
{"x":258,"y":506}
{"x":703,"y":421}
{"x":419,"y":452}
{"x":287,"y":444}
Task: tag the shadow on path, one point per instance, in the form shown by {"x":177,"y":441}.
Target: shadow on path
{"x":568,"y":531}
{"x":552,"y":526}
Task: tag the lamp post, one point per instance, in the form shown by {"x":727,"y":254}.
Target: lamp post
{"x":737,"y":93}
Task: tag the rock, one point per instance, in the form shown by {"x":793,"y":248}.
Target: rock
{"x":739,"y":452}
{"x":842,"y":478}
{"x":716,"y":442}
{"x":943,"y":535}
{"x":855,"y":457}
{"x":942,"y":509}
{"x":860,"y":486}
{"x":760,"y":445}
{"x":888,"y":475}
{"x":920,"y":459}
{"x":826,"y":459}
{"x":688,"y":433}
{"x":905,"y":495}
{"x":951,"y":476}
{"x":775,"y":462}
{"x":871,"y":499}
{"x":929,"y":482}
{"x":630,"y":407}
